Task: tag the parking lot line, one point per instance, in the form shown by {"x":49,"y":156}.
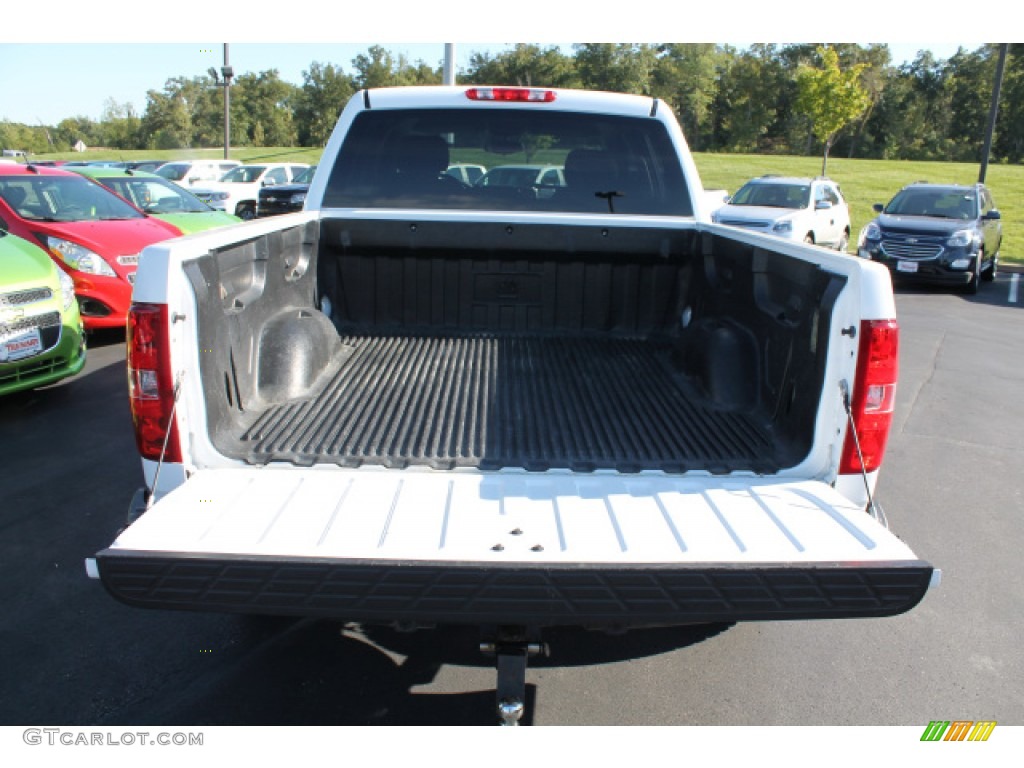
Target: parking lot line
{"x":1014,"y":280}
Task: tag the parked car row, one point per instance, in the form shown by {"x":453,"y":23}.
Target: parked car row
{"x":937,"y":233}
{"x":237,"y":191}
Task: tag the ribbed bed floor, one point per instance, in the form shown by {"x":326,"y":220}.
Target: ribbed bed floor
{"x":494,"y":402}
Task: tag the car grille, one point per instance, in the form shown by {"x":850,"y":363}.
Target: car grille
{"x":50,"y":328}
{"x":49,"y":320}
{"x":34,"y":367}
{"x":28,"y":296}
{"x":275,"y":205}
{"x":746,"y":223}
{"x":911,"y":247}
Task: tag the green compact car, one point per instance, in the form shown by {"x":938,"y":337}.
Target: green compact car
{"x":41,"y":336}
{"x":160,"y":198}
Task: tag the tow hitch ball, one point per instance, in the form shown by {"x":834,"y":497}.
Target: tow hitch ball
{"x":511,"y":647}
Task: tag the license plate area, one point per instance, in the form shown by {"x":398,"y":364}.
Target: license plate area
{"x":906,"y":266}
{"x":22,"y":345}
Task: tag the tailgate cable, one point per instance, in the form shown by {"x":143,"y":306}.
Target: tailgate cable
{"x":167,"y":436}
{"x":873,"y":509}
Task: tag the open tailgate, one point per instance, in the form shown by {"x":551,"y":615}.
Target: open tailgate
{"x":510,"y":548}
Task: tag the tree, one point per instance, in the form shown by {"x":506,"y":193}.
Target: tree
{"x":686,"y":77}
{"x":829,"y":97}
{"x":746,"y":105}
{"x":264,"y":102}
{"x":378,"y":69}
{"x":325,"y":90}
{"x":167,"y":122}
{"x":31,"y":139}
{"x":524,"y":65}
{"x":1009,"y":138}
{"x":119,"y":125}
{"x":620,"y":67}
{"x":71,"y":130}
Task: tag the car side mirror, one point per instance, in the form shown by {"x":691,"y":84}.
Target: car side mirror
{"x":878,"y":207}
{"x":992,"y":215}
{"x":822,"y":205}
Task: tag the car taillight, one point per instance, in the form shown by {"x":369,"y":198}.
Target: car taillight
{"x":510,"y":94}
{"x":151,"y":382}
{"x":874,"y":394}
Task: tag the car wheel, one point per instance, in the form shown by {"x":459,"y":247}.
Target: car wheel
{"x":246,"y":212}
{"x":972,"y":286}
{"x":844,"y":242}
{"x":989,"y":274}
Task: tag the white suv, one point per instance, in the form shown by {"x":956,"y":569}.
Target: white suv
{"x":191,"y":173}
{"x":238,"y":190}
{"x":812,"y":210}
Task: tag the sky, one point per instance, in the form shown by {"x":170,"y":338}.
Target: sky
{"x":48,"y":72}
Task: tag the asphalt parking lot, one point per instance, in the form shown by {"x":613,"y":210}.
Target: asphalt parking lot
{"x":952,"y":487}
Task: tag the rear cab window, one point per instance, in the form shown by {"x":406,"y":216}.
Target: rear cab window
{"x":557,"y":162}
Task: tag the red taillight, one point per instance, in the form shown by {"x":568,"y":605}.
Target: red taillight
{"x":151,"y":382}
{"x":874,"y":394}
{"x":510,"y":94}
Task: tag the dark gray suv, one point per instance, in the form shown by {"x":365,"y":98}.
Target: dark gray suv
{"x":942,"y":233}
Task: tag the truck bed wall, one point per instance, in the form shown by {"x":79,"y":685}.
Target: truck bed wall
{"x":730,"y":329}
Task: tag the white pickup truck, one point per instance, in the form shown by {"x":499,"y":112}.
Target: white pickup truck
{"x":421,"y":402}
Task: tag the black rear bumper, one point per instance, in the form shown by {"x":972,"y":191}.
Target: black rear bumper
{"x":538,"y":595}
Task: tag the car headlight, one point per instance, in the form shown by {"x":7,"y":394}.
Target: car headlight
{"x":783,"y":227}
{"x":220,"y":195}
{"x":67,"y":288}
{"x":79,"y":257}
{"x":961,"y":239}
{"x":298,"y":198}
{"x":871,"y":232}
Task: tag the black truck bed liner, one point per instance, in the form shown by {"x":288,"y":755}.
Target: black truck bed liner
{"x":493,"y":402}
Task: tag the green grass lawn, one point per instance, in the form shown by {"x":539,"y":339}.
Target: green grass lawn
{"x":864,"y":182}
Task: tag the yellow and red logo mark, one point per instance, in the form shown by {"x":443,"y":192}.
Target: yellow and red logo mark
{"x":958,"y":730}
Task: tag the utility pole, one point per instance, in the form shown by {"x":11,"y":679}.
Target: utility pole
{"x":992,"y":112}
{"x":227,"y":73}
{"x":449,"y":64}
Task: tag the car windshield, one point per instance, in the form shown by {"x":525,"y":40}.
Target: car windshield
{"x":173,"y":171}
{"x":940,"y":203}
{"x":612,"y":164}
{"x":63,"y":198}
{"x":773,"y":195}
{"x":306,"y":177}
{"x":155,"y":195}
{"x":511,"y":176}
{"x":245,"y":174}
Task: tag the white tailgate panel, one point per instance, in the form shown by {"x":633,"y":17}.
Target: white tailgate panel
{"x":373,"y":513}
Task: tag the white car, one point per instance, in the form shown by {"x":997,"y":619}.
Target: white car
{"x":812,"y":210}
{"x":192,"y":173}
{"x":238,"y":190}
{"x":467,"y":173}
{"x":543,"y":180}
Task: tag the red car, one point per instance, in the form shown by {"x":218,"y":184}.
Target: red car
{"x":94,"y":235}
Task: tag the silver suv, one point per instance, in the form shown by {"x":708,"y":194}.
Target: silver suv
{"x":812,"y":210}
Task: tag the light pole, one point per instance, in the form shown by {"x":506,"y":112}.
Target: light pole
{"x":227,"y":73}
{"x":448,"y":73}
{"x":993,"y":112}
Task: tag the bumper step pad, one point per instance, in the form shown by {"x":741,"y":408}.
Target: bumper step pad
{"x":641,"y":595}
